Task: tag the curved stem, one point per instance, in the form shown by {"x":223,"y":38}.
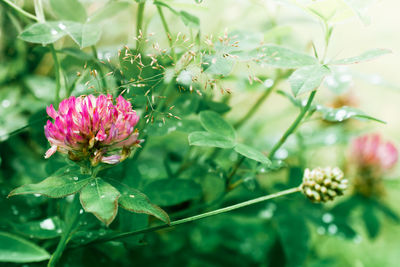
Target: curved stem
{"x":20,"y":10}
{"x":102,"y":76}
{"x":256,"y":106}
{"x":166,"y":29}
{"x":139,"y":24}
{"x":56,"y":72}
{"x":72,"y":217}
{"x":293,"y":126}
{"x":198,"y":217}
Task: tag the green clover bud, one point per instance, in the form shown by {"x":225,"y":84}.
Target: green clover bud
{"x":323,"y":184}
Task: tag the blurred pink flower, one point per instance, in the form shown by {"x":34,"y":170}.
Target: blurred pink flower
{"x":370,"y":151}
{"x":92,"y":127}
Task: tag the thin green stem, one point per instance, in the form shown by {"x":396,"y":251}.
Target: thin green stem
{"x":102,"y":77}
{"x":20,"y":10}
{"x":57,"y":73}
{"x":294,"y":125}
{"x":139,"y":24}
{"x":234,"y":170}
{"x":72,"y":220}
{"x":166,"y":29}
{"x":197,"y":217}
{"x":256,"y":106}
{"x":167,"y":90}
{"x":39,"y":10}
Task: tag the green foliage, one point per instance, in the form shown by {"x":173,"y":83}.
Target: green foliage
{"x":307,"y":78}
{"x":17,"y":249}
{"x":101,"y":199}
{"x":64,"y":182}
{"x":209,"y":116}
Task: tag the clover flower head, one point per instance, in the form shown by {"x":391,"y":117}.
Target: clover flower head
{"x":323,"y":184}
{"x":371,"y":151}
{"x":94,"y":128}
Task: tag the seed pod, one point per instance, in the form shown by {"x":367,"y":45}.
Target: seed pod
{"x":323,"y":184}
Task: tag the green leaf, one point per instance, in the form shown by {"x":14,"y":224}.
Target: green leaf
{"x":214,"y":123}
{"x":69,"y":10}
{"x":43,"y":33}
{"x":189,"y":19}
{"x":101,"y":199}
{"x":307,"y":78}
{"x":109,"y":10}
{"x":217,"y":64}
{"x":84,"y":35}
{"x":251,"y":153}
{"x":388,"y":212}
{"x":360,"y":7}
{"x":64,"y":182}
{"x":168,"y":192}
{"x":343,"y":113}
{"x":210,"y":139}
{"x":371,"y":221}
{"x":369,"y":55}
{"x":43,"y":229}
{"x":135,"y":201}
{"x":16,"y":249}
{"x":281,"y":57}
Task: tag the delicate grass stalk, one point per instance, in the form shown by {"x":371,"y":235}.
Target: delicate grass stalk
{"x":102,"y":76}
{"x":256,"y":106}
{"x":166,"y":29}
{"x":57,"y":73}
{"x":20,"y":10}
{"x":294,"y":125}
{"x":197,"y":217}
{"x":139,"y":24}
{"x":72,"y":220}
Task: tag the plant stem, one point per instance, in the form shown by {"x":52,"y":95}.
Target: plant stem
{"x":72,"y":219}
{"x":256,"y":106}
{"x":20,"y":10}
{"x":139,"y":24}
{"x":166,"y":29}
{"x":56,"y":72}
{"x":102,"y":77}
{"x":294,"y":125}
{"x":39,"y":10}
{"x":197,"y":217}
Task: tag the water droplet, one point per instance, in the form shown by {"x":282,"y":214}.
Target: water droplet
{"x":37,"y":195}
{"x":332,"y":229}
{"x":102,"y":196}
{"x":76,"y":178}
{"x":47,"y":224}
{"x":321,"y":230}
{"x":5,"y":103}
{"x":14,"y":210}
{"x":54,"y":32}
{"x":80,"y":211}
{"x":198,"y":1}
{"x":92,"y":184}
{"x":59,"y":231}
{"x":327,"y":218}
{"x":132,"y":196}
{"x":61,"y":26}
{"x":340,"y":115}
{"x":268,"y":83}
{"x":357,"y":239}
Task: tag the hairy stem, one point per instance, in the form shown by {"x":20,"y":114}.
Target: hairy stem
{"x":199,"y":216}
{"x":72,"y":220}
{"x":294,"y":125}
{"x":20,"y":10}
{"x":139,"y":24}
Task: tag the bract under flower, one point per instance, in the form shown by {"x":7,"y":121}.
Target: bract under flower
{"x":94,"y":128}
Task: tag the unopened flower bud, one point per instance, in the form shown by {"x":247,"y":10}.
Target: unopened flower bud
{"x":323,"y":184}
